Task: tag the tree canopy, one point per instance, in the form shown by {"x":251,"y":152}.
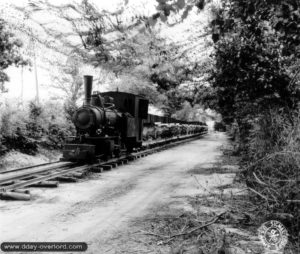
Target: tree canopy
{"x":10,"y":53}
{"x":131,"y":42}
{"x":256,"y":56}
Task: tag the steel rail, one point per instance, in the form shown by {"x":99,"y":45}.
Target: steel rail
{"x":167,"y":143}
{"x":27,"y":172}
{"x":65,"y":168}
{"x":39,"y":179}
{"x":28,"y":167}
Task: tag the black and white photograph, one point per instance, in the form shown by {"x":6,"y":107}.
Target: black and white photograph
{"x":150,"y":126}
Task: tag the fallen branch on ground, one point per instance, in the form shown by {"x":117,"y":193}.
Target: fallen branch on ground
{"x":153,"y":234}
{"x":258,"y":180}
{"x":167,"y":239}
{"x":214,"y":220}
{"x":259,"y":194}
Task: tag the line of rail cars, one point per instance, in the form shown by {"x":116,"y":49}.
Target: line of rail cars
{"x":151,"y":119}
{"x":108,"y":123}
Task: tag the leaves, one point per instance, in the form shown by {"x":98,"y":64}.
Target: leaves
{"x":9,"y":53}
{"x":127,"y":43}
{"x":253,"y":42}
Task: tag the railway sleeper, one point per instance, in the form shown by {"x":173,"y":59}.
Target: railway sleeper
{"x":10,"y":195}
{"x":21,"y":191}
{"x":96,"y":169}
{"x":107,"y":167}
{"x":79,"y":174}
{"x":131,"y":158}
{"x":45,"y":184}
{"x":66,"y":179}
{"x":123,"y":161}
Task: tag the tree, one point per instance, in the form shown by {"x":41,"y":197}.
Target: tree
{"x":256,"y":43}
{"x":129,"y":44}
{"x":69,"y":78}
{"x":9,"y":53}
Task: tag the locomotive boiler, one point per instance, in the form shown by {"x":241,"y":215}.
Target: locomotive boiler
{"x":106,"y":124}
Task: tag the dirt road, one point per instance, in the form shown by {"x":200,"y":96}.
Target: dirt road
{"x":98,"y":209}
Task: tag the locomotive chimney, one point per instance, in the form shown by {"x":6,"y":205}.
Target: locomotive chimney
{"x":88,"y":85}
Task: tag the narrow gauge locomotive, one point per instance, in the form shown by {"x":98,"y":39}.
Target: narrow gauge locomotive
{"x":106,"y":124}
{"x":110,"y":122}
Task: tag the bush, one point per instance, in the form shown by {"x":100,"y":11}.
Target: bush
{"x":12,"y":127}
{"x":219,"y":126}
{"x":24,"y":129}
{"x":273,"y":166}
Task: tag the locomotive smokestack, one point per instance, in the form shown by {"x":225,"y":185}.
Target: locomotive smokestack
{"x":88,"y":86}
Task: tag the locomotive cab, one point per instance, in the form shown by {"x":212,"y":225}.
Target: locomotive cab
{"x":134,"y":109}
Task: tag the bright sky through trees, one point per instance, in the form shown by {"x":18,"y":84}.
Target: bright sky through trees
{"x":184,"y":34}
{"x":43,"y":74}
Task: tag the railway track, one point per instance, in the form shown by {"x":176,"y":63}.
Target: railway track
{"x":29,"y":167}
{"x":15,"y":184}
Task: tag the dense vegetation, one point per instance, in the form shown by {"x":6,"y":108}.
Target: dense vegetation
{"x":27,"y":128}
{"x":256,"y":82}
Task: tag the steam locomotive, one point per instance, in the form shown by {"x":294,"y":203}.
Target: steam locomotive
{"x":108,"y":123}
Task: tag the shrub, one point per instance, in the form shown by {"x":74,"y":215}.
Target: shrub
{"x":219,"y":126}
{"x":25,"y":128}
{"x":273,"y":166}
{"x":12,"y":127}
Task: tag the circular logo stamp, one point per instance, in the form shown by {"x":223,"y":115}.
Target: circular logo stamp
{"x":273,"y":235}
